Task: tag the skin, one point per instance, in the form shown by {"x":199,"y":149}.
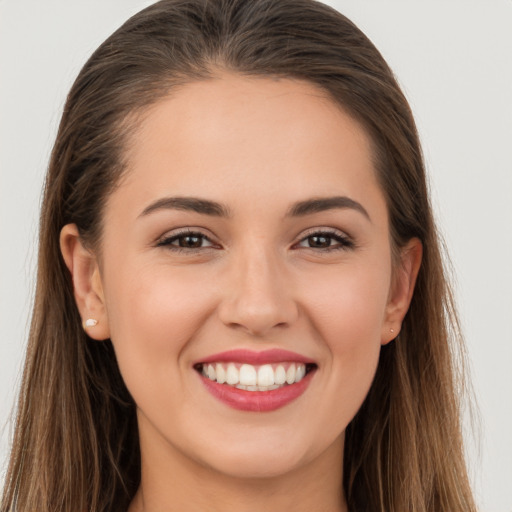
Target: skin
{"x":257,"y":146}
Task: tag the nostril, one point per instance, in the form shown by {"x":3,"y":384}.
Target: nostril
{"x":257,"y":302}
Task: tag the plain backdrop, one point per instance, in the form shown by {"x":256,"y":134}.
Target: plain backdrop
{"x":454,"y":61}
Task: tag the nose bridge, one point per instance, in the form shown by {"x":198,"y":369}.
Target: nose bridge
{"x":259,"y":297}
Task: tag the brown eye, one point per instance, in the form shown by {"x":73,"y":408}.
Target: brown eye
{"x":327,"y":241}
{"x":187,"y":240}
{"x":190,"y":241}
{"x":319,"y":241}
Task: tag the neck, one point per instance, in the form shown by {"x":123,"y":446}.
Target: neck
{"x":174,"y":482}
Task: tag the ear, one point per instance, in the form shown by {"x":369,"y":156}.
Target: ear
{"x":87,"y":285}
{"x":402,"y":289}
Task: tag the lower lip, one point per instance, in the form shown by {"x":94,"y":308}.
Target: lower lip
{"x":257,"y":401}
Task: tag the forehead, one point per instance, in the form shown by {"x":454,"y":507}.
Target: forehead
{"x":263,"y":135}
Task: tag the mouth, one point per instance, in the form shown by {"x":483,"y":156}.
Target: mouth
{"x":256,"y":381}
{"x":248,"y":377}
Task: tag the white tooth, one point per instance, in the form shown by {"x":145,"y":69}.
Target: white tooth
{"x":275,"y":386}
{"x":232,"y":376}
{"x":301,"y":371}
{"x":265,"y":375}
{"x":211,"y":372}
{"x":240,"y":386}
{"x":221,"y":373}
{"x":290,"y":374}
{"x":280,"y":375}
{"x":253,"y":388}
{"x":248,"y":375}
{"x":204,"y":370}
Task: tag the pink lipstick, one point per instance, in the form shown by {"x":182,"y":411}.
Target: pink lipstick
{"x":256,"y":381}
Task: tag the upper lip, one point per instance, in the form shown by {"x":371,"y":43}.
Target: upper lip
{"x":256,"y":357}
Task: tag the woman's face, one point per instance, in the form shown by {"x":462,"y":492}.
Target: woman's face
{"x":249,"y":241}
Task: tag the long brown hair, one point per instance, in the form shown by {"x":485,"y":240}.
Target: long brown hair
{"x":76,"y":443}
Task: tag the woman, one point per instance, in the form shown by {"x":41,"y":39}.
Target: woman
{"x":241,"y":301}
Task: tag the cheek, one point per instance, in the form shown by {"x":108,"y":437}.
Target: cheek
{"x":153,"y":316}
{"x":348,"y":305}
{"x":156,"y":303}
{"x":347,"y":313}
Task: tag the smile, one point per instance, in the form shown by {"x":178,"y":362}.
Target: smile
{"x":260,"y":382}
{"x":266,"y":377}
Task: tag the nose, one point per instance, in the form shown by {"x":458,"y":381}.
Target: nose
{"x":258,"y":297}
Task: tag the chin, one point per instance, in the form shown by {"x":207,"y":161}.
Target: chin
{"x":245,"y":464}
{"x":265,"y":453}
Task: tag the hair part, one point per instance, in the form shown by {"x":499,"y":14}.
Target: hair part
{"x":76,"y":441}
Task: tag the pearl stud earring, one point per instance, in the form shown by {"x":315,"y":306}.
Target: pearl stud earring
{"x":90,"y":322}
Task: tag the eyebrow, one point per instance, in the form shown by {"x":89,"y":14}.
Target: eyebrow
{"x":215,"y":209}
{"x":323,"y":204}
{"x":193,"y":204}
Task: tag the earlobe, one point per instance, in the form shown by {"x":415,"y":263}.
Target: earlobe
{"x":402,"y":289}
{"x":87,"y":284}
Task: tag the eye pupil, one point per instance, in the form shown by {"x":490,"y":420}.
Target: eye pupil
{"x":191,"y":241}
{"x":319,"y":241}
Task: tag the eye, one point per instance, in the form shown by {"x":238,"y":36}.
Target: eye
{"x":326,"y":240}
{"x":191,"y":240}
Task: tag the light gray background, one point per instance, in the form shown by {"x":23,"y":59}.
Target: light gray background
{"x":454,"y":61}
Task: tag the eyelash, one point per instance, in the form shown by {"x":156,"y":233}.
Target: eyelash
{"x":167,"y":241}
{"x":343,"y":241}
